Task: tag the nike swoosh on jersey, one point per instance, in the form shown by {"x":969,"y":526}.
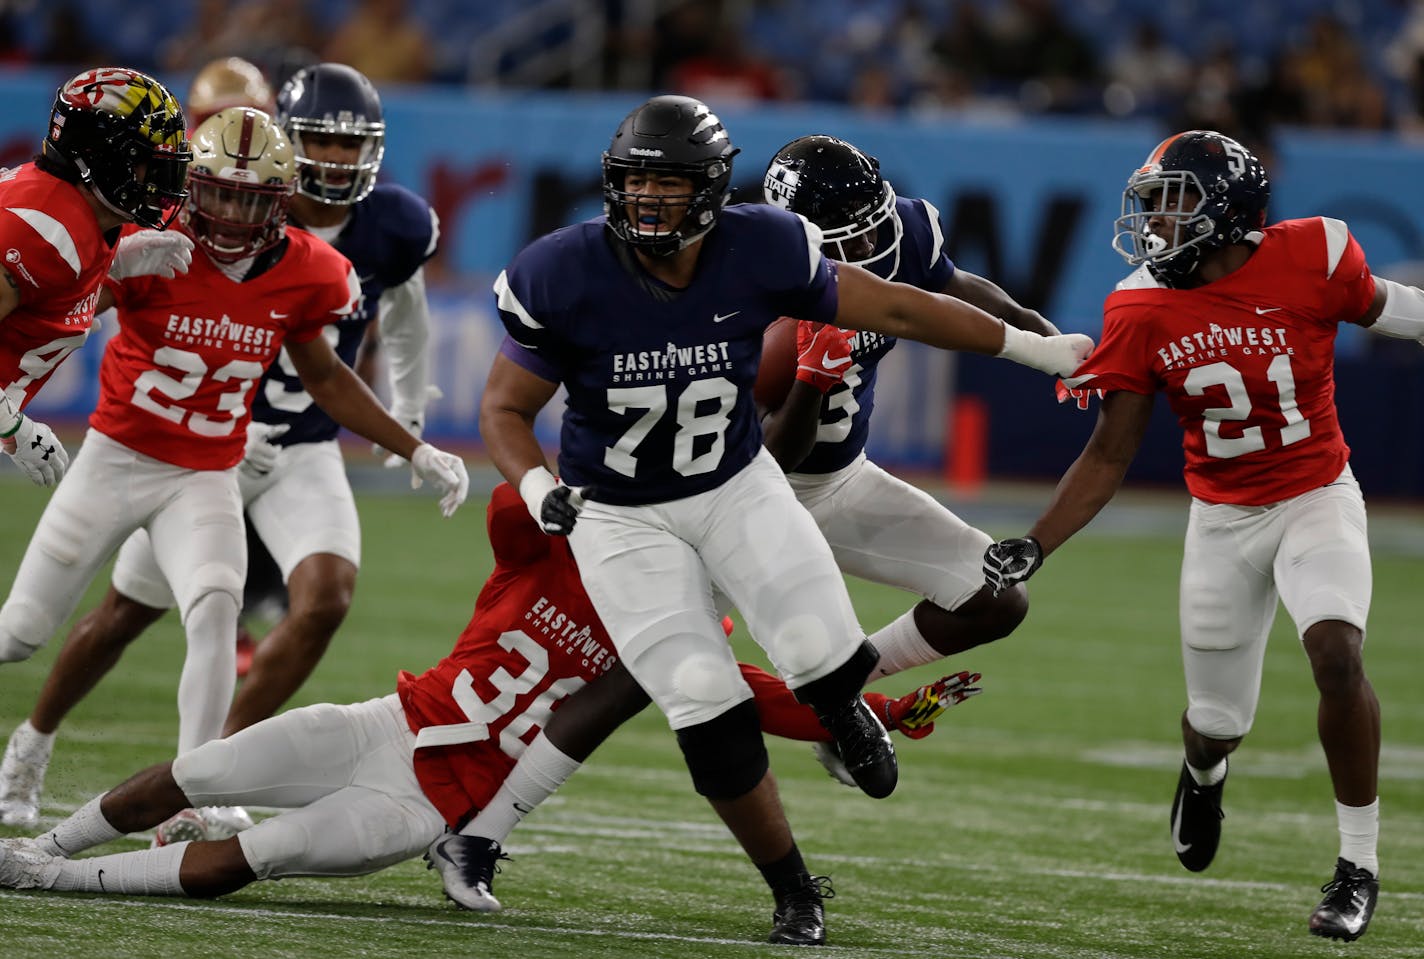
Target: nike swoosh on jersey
{"x":1263,"y":310}
{"x":831,"y":364}
{"x":719,"y":317}
{"x":279,"y":316}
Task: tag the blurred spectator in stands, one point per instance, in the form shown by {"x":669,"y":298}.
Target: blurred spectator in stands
{"x":226,"y":82}
{"x":724,"y":73}
{"x":874,"y":89}
{"x":277,"y":35}
{"x":1146,"y":75}
{"x":384,"y":41}
{"x":1053,"y":64}
{"x":1404,"y":57}
{"x":67,"y":38}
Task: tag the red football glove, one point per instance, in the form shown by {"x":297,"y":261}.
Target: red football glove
{"x":823,"y":354}
{"x":914,"y":713}
{"x":1079,"y":396}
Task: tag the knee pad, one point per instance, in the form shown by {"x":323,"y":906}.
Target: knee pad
{"x":201,"y":771}
{"x":273,"y":845}
{"x":726,"y":756}
{"x":212,"y":578}
{"x":25,"y":626}
{"x":841,"y":684}
{"x":1218,"y":720}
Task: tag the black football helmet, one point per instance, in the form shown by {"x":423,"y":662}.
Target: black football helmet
{"x":109,"y":122}
{"x":676,"y":135}
{"x":1231,"y":188}
{"x":839,"y":188}
{"x":334,"y":99}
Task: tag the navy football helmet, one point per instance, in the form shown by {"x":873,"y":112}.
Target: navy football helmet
{"x":121,"y":134}
{"x":1210,"y":190}
{"x":839,"y":188}
{"x":335,"y":100}
{"x":673,"y":135}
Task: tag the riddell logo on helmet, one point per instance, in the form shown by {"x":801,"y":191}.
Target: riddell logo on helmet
{"x":642,"y":152}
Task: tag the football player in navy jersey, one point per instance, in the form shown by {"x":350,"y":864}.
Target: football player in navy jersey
{"x":293,"y":477}
{"x":652,"y":318}
{"x":880,"y":528}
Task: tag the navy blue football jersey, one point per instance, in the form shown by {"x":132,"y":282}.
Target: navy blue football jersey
{"x":659,"y":381}
{"x":389,"y":235}
{"x":845,"y":412}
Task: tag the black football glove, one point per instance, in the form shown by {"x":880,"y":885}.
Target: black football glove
{"x":559,"y":510}
{"x":1011,"y":561}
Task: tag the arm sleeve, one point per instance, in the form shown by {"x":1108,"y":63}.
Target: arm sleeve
{"x":405,"y":333}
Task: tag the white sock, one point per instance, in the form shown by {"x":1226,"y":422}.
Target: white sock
{"x":902,"y":647}
{"x":83,"y":830}
{"x":1208,"y":777}
{"x":539,"y":773}
{"x":147,"y":872}
{"x":1359,"y":834}
{"x":209,"y":670}
{"x":31,"y":744}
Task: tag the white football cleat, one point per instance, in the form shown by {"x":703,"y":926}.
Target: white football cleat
{"x":186,"y":825}
{"x":22,"y":774}
{"x":224,"y":822}
{"x":23,"y":865}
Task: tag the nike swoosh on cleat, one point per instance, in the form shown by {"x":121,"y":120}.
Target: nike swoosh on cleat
{"x":826,"y":361}
{"x":1177,"y":831}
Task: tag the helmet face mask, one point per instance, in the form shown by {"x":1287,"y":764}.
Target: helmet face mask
{"x":121,"y":133}
{"x":839,"y":188}
{"x":242,"y":178}
{"x":326,"y":105}
{"x":1198,"y":191}
{"x":667,"y":137}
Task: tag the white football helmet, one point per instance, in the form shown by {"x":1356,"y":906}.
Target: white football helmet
{"x":241,"y":180}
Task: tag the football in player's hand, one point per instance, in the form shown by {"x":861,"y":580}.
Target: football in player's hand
{"x":778,"y":364}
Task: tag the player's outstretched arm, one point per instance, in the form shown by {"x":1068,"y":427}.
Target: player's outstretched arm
{"x":337,"y":389}
{"x":869,"y":303}
{"x":1083,"y":491}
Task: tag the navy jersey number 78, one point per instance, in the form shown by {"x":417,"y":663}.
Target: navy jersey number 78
{"x":659,"y":380}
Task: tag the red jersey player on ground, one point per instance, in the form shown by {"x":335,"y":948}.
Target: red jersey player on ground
{"x":397,"y":771}
{"x":169,"y":429}
{"x":1235,"y":322}
{"x":115,"y":153}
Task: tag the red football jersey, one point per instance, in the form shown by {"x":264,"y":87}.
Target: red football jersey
{"x":533,"y":640}
{"x":176,"y":380}
{"x":57,"y":256}
{"x":1247,"y":362}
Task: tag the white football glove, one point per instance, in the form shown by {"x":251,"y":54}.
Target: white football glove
{"x":37,"y":452}
{"x":445,"y":470}
{"x":164,"y":253}
{"x":261,"y":452}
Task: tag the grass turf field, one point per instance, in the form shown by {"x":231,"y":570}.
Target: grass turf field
{"x":1032,"y":824}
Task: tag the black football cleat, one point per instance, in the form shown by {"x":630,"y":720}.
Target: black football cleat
{"x":1349,"y":903}
{"x":865,"y":747}
{"x":800,"y":916}
{"x":1196,"y":821}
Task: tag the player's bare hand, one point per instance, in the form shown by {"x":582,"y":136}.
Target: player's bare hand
{"x":1011,"y":561}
